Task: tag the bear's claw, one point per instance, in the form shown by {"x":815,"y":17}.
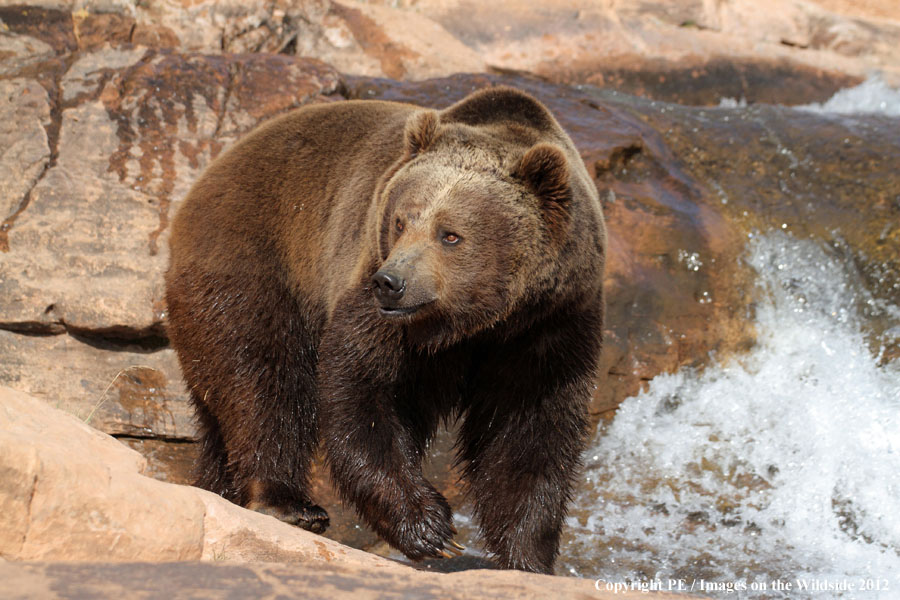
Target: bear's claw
{"x":311,"y":517}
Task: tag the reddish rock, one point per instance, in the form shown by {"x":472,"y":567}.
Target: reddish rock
{"x":94,"y":30}
{"x":687,"y":51}
{"x":19,"y":52}
{"x":50,"y":25}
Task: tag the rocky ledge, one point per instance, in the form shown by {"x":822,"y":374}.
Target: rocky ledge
{"x":71,"y":493}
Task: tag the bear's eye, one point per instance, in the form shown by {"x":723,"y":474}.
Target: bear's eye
{"x":399,"y":226}
{"x":450,"y":239}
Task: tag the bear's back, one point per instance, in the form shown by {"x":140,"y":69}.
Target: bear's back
{"x":294,"y":189}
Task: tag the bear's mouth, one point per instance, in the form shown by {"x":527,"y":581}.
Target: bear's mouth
{"x":400,"y":311}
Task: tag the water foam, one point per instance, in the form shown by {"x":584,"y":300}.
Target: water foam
{"x":873,"y":96}
{"x":782,"y":465}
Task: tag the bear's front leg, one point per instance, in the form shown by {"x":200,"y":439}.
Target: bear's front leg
{"x":374,"y":442}
{"x":524,"y":430}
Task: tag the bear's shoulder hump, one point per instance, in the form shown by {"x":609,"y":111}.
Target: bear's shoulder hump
{"x":500,"y":104}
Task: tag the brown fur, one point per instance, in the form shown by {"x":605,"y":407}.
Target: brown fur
{"x":357,"y":272}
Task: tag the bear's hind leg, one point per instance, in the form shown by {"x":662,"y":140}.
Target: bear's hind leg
{"x":248,"y":353}
{"x":210,"y":471}
{"x":274,"y":445}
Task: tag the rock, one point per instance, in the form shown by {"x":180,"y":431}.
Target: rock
{"x":684,"y":51}
{"x":816,"y":176}
{"x":121,"y":390}
{"x":61,"y":500}
{"x":17,"y":52}
{"x":71,"y":493}
{"x":52,"y":25}
{"x":355,"y":37}
{"x":313,"y":580}
{"x":90,"y":173}
{"x":24,"y":115}
{"x":734,"y":48}
{"x":135,"y":129}
{"x":368,"y":39}
{"x":82,"y":221}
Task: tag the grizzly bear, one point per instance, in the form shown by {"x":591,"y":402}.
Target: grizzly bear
{"x":358,"y":272}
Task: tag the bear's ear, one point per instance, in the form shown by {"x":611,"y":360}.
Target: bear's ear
{"x":545,"y":170}
{"x":420,"y":131}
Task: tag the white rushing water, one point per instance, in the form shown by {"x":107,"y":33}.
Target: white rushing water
{"x":872,"y":96}
{"x":781,"y":468}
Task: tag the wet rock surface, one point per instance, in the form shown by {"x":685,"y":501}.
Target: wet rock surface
{"x":691,"y":52}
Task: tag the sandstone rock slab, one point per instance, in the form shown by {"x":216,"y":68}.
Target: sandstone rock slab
{"x":122,"y":391}
{"x":19,"y":51}
{"x":24,"y":149}
{"x":282,"y":581}
{"x":79,"y":507}
{"x":70,"y":492}
{"x":367,"y":39}
{"x":684,"y":51}
{"x":81,"y":222}
{"x":135,"y":129}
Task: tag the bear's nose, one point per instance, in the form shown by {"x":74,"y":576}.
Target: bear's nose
{"x":389,"y":287}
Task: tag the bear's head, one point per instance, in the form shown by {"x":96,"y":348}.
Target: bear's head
{"x":474,"y":217}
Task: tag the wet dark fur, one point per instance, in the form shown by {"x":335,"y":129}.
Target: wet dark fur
{"x":272,"y":316}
